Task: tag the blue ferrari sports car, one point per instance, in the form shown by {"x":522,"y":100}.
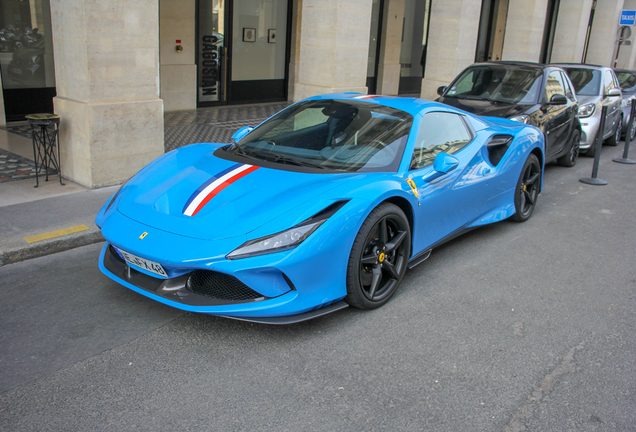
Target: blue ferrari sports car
{"x":324,"y":205}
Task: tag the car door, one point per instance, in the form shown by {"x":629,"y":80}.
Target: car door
{"x":613,"y":103}
{"x":448,"y":201}
{"x":556,"y":117}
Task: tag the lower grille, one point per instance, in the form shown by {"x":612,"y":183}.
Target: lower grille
{"x":219,"y":286}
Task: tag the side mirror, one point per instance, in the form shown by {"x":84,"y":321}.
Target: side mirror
{"x":614,"y":92}
{"x":558,"y":99}
{"x":443,"y":163}
{"x":239,"y":134}
{"x":441,"y":90}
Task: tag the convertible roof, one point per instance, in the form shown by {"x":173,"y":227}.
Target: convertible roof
{"x":410,"y":105}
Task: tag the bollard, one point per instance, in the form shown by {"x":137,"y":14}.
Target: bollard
{"x":628,"y":135}
{"x":598,"y":143}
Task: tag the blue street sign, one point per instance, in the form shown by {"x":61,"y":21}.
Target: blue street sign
{"x":628,"y":17}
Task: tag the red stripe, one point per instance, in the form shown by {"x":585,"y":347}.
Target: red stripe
{"x":222,"y":186}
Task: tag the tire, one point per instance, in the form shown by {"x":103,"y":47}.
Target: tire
{"x":527,"y":190}
{"x":616,"y":136}
{"x":379,"y":257}
{"x":569,"y":159}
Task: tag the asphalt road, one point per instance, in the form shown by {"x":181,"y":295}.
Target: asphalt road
{"x":511,"y":327}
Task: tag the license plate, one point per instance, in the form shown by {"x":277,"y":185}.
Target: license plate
{"x":145,"y":264}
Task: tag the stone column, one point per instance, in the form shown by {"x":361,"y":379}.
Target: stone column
{"x":452,"y":39}
{"x":107,"y":78}
{"x":570,"y":32}
{"x":602,"y":46}
{"x":627,"y":53}
{"x":334,"y":47}
{"x":390,"y":45}
{"x":178,"y":69}
{"x":524,"y":30}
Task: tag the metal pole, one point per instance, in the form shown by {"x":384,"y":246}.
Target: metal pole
{"x":628,"y":137}
{"x":598,"y":143}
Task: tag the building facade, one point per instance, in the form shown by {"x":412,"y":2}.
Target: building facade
{"x":111,"y":68}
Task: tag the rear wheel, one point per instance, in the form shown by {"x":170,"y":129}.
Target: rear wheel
{"x":379,"y":257}
{"x":616,"y":137}
{"x":569,"y":159}
{"x":527,"y":190}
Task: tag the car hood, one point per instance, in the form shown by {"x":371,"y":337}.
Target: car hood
{"x":486,"y":107}
{"x":584,"y":100}
{"x":159,"y":196}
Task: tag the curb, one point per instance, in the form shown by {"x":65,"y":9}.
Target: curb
{"x":48,"y":247}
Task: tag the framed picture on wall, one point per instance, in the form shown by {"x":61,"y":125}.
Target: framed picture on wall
{"x":249,"y":34}
{"x":271,"y":36}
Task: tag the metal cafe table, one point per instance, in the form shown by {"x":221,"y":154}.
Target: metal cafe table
{"x":46,"y":146}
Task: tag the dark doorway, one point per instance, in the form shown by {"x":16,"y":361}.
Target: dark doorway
{"x":26,"y":58}
{"x":549,"y":30}
{"x":492,"y":30}
{"x":414,"y":44}
{"x":377,"y":11}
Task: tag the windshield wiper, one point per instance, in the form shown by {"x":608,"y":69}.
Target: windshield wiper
{"x":472,"y":98}
{"x":278,"y":158}
{"x":288,"y":160}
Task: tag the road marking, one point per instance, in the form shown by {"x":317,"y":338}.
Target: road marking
{"x":57,"y":233}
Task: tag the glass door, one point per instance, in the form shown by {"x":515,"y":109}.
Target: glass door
{"x":26,"y":58}
{"x":243,"y":51}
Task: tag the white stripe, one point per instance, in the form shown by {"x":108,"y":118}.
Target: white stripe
{"x":195,"y":202}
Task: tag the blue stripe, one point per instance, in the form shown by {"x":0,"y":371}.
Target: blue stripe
{"x":209,"y":182}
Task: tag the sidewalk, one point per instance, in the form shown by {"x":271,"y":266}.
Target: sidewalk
{"x":53,"y":218}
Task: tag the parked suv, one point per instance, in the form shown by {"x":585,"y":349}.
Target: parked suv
{"x":595,"y":87}
{"x":531,"y":93}
{"x":627,"y":80}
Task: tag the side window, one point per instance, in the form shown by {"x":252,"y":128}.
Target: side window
{"x":439,"y":132}
{"x":569,"y":90}
{"x":608,"y":81}
{"x":554,"y":85}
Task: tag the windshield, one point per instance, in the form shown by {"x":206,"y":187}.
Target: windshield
{"x":587,"y":82}
{"x":331,"y":134}
{"x":627,"y":81}
{"x":501,"y":83}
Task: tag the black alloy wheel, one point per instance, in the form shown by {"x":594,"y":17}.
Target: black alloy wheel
{"x":527,"y":190}
{"x":569,"y":159}
{"x":379,"y":257}
{"x":616,"y":137}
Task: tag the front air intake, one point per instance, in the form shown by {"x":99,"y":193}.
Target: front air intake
{"x":220,"y":286}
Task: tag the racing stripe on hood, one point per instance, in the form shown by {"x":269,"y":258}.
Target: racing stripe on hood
{"x":216,"y":184}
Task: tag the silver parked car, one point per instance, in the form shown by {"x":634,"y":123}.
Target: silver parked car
{"x":627,"y":80}
{"x":596,"y":86}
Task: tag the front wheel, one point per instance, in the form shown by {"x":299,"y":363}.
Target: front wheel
{"x":616,"y":137}
{"x":379,"y":257}
{"x":569,"y":159}
{"x":527,"y":190}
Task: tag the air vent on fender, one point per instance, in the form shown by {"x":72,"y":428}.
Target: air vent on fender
{"x":497,"y":147}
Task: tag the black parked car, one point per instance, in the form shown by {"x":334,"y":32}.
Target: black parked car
{"x":531,"y":93}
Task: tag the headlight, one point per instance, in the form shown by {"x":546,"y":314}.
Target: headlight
{"x":519,"y":118}
{"x":586,"y":110}
{"x":287,"y":239}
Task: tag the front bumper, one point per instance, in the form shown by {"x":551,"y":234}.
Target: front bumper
{"x":589,"y":127}
{"x":293,"y":284}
